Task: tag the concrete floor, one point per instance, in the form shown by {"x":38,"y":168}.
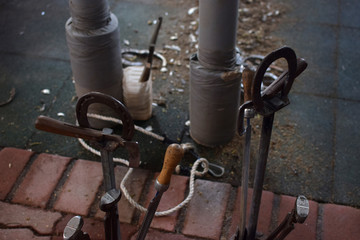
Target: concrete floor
{"x":317,"y":156}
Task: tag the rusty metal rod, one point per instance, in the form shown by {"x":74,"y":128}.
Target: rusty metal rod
{"x":260,"y":174}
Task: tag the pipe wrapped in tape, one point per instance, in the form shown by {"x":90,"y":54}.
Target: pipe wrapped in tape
{"x":93,"y":39}
{"x":214,"y":104}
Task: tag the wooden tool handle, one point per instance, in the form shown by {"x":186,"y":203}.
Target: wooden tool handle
{"x":51,"y":125}
{"x":247,"y":77}
{"x":173,"y":155}
{"x":58,"y":127}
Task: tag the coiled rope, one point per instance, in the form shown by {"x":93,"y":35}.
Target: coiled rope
{"x":194,"y":172}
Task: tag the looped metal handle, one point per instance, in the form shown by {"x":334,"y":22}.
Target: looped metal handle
{"x":95,"y":97}
{"x":290,"y":57}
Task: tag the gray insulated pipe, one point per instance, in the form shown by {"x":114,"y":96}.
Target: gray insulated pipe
{"x":214,"y":104}
{"x":93,"y":39}
{"x":217,"y":33}
{"x":214,"y":75}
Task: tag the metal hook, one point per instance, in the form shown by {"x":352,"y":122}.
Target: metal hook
{"x":216,"y":170}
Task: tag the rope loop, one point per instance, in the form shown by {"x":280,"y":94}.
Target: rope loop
{"x":204,"y":163}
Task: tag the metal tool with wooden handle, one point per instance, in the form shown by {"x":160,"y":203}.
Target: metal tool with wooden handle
{"x":247,"y":77}
{"x":173,"y":155}
{"x":51,"y":125}
{"x":146,"y":73}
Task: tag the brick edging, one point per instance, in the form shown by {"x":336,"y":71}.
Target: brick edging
{"x":213,"y":213}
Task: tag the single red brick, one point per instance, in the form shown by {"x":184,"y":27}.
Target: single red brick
{"x":19,"y":233}
{"x":95,"y":228}
{"x":12,"y":162}
{"x":171,"y":198}
{"x":264,"y":219}
{"x":340,"y":222}
{"x":206,"y":210}
{"x":41,"y":180}
{"x":157,"y":235}
{"x":127,"y":230}
{"x":41,"y":221}
{"x":134,"y":185}
{"x":79,"y":191}
{"x":307,"y":230}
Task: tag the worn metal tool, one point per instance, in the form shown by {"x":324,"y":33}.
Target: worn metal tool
{"x":146,"y":73}
{"x":108,"y":204}
{"x":247,"y":77}
{"x":173,"y":155}
{"x":106,"y":141}
{"x":73,"y":230}
{"x":266,"y":103}
{"x":297,"y":215}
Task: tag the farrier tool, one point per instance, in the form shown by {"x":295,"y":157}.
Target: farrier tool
{"x":146,"y":73}
{"x":265,"y":103}
{"x":73,"y":230}
{"x":173,"y":155}
{"x":297,"y":215}
{"x":247,"y":77}
{"x":107,"y":142}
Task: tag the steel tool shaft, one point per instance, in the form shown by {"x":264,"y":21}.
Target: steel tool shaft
{"x":267,"y":103}
{"x":260,"y":174}
{"x":249,"y":113}
{"x":108,"y":204}
{"x":146,"y":73}
{"x":298,"y":215}
{"x":173,"y":155}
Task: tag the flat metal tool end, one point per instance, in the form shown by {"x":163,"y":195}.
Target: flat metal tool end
{"x":73,"y":228}
{"x":302,"y":209}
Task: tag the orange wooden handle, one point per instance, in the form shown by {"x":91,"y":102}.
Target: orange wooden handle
{"x":247,"y":77}
{"x":173,"y":155}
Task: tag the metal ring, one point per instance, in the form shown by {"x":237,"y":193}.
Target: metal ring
{"x":85,"y":101}
{"x":290,"y":57}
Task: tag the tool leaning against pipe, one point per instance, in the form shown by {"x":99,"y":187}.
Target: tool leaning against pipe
{"x":107,"y":142}
{"x":266,"y":103}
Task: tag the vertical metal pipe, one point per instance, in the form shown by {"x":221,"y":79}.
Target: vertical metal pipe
{"x":217,"y":33}
{"x":89,"y":14}
{"x":260,"y":174}
{"x":93,"y":40}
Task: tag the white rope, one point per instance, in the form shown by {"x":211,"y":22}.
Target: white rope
{"x":204,"y":163}
{"x":194,"y":172}
{"x":137,"y":128}
{"x":96,"y":152}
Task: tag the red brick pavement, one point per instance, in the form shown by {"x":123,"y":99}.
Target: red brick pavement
{"x":40,"y":193}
